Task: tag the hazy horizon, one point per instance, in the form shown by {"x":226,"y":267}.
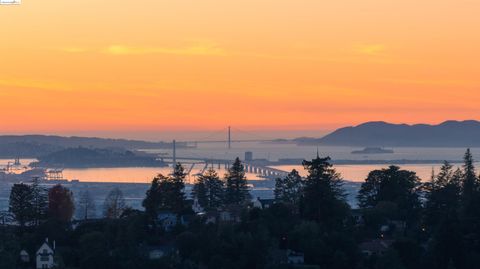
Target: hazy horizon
{"x":166,"y":134}
{"x":189,"y":135}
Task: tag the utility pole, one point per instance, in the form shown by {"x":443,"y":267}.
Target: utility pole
{"x":229,"y":137}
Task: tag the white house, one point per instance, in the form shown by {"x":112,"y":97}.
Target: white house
{"x":45,"y":256}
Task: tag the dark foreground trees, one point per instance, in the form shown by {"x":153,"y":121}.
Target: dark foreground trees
{"x":310,"y":216}
{"x":209,"y":190}
{"x":323,"y":196}
{"x":289,"y":189}
{"x":60,"y":203}
{"x":166,"y":193}
{"x":394,"y":190}
{"x":21,"y":203}
{"x":85,"y":206}
{"x":114,"y":204}
{"x":236,"y":186}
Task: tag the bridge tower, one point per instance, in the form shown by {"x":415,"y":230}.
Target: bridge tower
{"x":174,"y":153}
{"x":229,"y":137}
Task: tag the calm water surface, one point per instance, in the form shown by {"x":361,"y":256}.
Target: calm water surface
{"x":271,"y":152}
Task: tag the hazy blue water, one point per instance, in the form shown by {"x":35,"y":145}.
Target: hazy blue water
{"x":355,"y":173}
{"x":272,"y":152}
{"x":278,"y":151}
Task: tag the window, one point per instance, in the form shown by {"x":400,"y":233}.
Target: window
{"x":44,"y":257}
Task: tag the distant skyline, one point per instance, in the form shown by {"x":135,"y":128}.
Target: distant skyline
{"x":138,"y":69}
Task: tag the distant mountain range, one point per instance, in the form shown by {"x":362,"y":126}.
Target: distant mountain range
{"x":383,"y":134}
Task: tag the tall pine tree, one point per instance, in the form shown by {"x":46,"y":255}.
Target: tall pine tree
{"x":21,"y":203}
{"x":166,"y":193}
{"x":441,"y":216}
{"x":442,"y":195}
{"x":470,"y":180}
{"x":176,"y":195}
{"x":208,"y":190}
{"x":323,"y":195}
{"x":236,"y":191}
{"x":39,"y":202}
{"x":153,"y":200}
{"x":470,"y":203}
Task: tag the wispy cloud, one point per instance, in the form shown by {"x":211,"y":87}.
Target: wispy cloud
{"x":195,"y":49}
{"x":370,"y":49}
{"x":73,"y":49}
{"x":34,"y":84}
{"x":198,"y":48}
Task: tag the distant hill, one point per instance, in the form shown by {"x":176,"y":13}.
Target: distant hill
{"x":383,"y":134}
{"x":32,"y":146}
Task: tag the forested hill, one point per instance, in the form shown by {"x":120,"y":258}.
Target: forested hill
{"x":32,"y":146}
{"x":383,"y":134}
{"x":88,"y":158}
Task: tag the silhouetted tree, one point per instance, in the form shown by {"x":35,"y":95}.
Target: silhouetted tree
{"x":441,"y":215}
{"x":21,"y":203}
{"x":470,"y":185}
{"x":442,"y":195}
{"x":39,"y":202}
{"x":60,"y":203}
{"x":114,"y":204}
{"x":85,"y":206}
{"x":393,"y":186}
{"x":166,"y":193}
{"x":323,"y":195}
{"x":236,"y":191}
{"x":289,"y":189}
{"x":154,"y":199}
{"x":470,"y":207}
{"x":175,"y":199}
{"x":208,"y":190}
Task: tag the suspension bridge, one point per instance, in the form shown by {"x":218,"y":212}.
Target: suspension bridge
{"x":250,"y":166}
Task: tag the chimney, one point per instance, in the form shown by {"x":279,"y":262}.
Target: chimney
{"x":53,"y":245}
{"x":46,"y":240}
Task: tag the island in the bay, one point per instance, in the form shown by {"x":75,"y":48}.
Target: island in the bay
{"x":82,"y":157}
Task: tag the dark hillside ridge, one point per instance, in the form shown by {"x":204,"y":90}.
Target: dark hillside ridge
{"x":33,"y":146}
{"x":383,"y":134}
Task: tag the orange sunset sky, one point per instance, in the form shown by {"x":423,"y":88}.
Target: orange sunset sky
{"x":120,"y":65}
